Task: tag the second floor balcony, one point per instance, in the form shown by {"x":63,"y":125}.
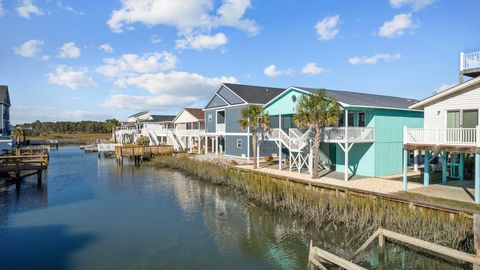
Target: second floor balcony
{"x":470,"y":64}
{"x":465,"y":137}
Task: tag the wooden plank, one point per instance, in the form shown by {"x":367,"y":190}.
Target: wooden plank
{"x":334,"y":259}
{"x":476,"y":233}
{"x":450,"y":252}
{"x":366,"y":244}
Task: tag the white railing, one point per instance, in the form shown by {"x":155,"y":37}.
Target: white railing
{"x":442,"y":136}
{"x":469,"y":60}
{"x":189,"y":132}
{"x":350,"y":134}
{"x":220,"y":127}
{"x":107,"y":147}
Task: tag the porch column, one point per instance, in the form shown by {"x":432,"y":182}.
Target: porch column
{"x":444,"y":157}
{"x":426,"y":169}
{"x":258,"y":155}
{"x":206,"y":145}
{"x":415,"y":160}
{"x":405,"y":169}
{"x":216,"y":145}
{"x":346,"y":145}
{"x":199,"y":143}
{"x":279,"y":142}
{"x":461,"y":166}
{"x":477,"y":178}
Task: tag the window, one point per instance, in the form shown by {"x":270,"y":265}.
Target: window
{"x":470,"y":119}
{"x":210,"y":117}
{"x":220,"y":117}
{"x":362,"y":121}
{"x":239,"y":143}
{"x":341,"y":120}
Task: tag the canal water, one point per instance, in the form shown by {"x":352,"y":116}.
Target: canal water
{"x":92,"y":213}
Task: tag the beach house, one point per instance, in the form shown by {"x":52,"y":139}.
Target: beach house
{"x":5,"y":108}
{"x":222,"y":130}
{"x":367,"y":140}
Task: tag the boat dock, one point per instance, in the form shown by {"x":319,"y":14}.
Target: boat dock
{"x":139,"y":153}
{"x":19,"y":163}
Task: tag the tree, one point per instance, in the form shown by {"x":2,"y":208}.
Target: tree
{"x":112,"y":124}
{"x":17,"y":133}
{"x":255,"y":118}
{"x":316,"y":111}
{"x":143,"y":141}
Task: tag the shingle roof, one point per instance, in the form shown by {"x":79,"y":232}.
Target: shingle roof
{"x":138,"y":114}
{"x":255,"y":94}
{"x":197,"y":113}
{"x":365,"y":99}
{"x":4,"y":96}
{"x":161,"y":118}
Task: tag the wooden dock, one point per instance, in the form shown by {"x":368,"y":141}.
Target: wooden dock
{"x":19,"y":163}
{"x":139,"y":153}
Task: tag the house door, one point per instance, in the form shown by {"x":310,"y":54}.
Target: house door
{"x":453,"y":119}
{"x":470,"y":119}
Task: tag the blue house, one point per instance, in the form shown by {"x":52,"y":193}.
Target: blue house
{"x":5,"y":110}
{"x":222,"y":130}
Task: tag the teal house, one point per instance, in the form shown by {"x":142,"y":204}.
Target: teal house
{"x":368,"y":139}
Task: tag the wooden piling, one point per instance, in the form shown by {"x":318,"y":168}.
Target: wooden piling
{"x":476,"y":237}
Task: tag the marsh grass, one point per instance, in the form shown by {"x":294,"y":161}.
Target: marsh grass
{"x":361,"y":216}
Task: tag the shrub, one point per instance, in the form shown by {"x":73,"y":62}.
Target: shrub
{"x":143,"y":141}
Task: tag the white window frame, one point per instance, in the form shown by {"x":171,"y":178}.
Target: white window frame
{"x":239,"y":146}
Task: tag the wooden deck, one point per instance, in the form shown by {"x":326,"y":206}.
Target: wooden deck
{"x":19,"y":163}
{"x":139,"y":153}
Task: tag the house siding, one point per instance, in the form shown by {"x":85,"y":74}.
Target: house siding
{"x":231,"y":148}
{"x":232,"y":115}
{"x":210,"y":127}
{"x":229,"y":96}
{"x":468,"y":99}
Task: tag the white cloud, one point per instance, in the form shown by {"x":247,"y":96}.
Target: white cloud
{"x":25,"y":8}
{"x":328,"y":27}
{"x":106,"y":48}
{"x":29,"y":49}
{"x":69,"y":50}
{"x":313,"y":69}
{"x":272,"y":71}
{"x":443,"y":87}
{"x":200,"y":42}
{"x":185,"y":15}
{"x":397,"y":26}
{"x":155,"y":39}
{"x":71,"y":78}
{"x":374,"y":59}
{"x":414,"y":4}
{"x":30,"y":113}
{"x":132,"y":64}
{"x":165,"y":90}
{"x":61,"y":5}
{"x":2,"y":9}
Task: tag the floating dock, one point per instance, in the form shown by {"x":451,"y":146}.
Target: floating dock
{"x":19,"y":163}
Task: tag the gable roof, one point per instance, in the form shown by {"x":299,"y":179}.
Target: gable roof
{"x":138,"y":114}
{"x":161,"y":118}
{"x":4,"y":95}
{"x":357,"y":99}
{"x":445,"y":94}
{"x":196,"y":112}
{"x":254,"y":94}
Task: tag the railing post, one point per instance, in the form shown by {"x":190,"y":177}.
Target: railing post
{"x":462,"y":61}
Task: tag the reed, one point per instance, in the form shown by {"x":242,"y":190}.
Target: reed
{"x":359,"y":214}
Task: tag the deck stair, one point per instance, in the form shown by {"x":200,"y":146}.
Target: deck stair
{"x":153,"y":138}
{"x":178,"y":144}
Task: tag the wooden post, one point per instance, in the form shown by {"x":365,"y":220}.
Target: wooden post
{"x":444,"y":156}
{"x":477,"y":178}
{"x":405,"y":169}
{"x":426,"y":169}
{"x":476,"y":233}
{"x":381,"y":251}
{"x":415,"y":160}
{"x":39,"y":178}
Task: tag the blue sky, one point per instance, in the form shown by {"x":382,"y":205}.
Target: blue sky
{"x":76,"y":60}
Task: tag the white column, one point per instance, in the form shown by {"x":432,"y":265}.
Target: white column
{"x":415,"y":160}
{"x":279,"y":142}
{"x":216,"y":145}
{"x":199,"y":143}
{"x":206,"y":145}
{"x":258,"y":155}
{"x":248,"y":143}
{"x":346,"y":146}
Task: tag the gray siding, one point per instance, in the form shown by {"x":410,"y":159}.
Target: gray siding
{"x":231,"y":145}
{"x":229,"y":96}
{"x":210,"y":127}
{"x":267,"y":148}
{"x":216,"y":102}
{"x":232,"y":115}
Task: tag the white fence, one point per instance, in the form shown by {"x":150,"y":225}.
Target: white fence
{"x":189,"y":132}
{"x":469,"y":60}
{"x":442,"y":136}
{"x":220,"y":128}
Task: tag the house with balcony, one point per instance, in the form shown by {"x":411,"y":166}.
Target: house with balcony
{"x":367,"y":140}
{"x":145,"y":124}
{"x":188,"y":130}
{"x":5,"y":107}
{"x":222,"y":130}
{"x":450,"y":132}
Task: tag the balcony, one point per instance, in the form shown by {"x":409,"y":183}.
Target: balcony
{"x":456,"y":137}
{"x":220,"y":128}
{"x":470,"y":64}
{"x":189,"y":132}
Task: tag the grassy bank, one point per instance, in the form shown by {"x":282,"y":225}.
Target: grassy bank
{"x":318,"y":208}
{"x":72,"y":138}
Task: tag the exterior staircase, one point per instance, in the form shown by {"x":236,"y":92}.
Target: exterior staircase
{"x":178,"y":144}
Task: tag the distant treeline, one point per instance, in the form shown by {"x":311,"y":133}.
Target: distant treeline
{"x":37,"y":127}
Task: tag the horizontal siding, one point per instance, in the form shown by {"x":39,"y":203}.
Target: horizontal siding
{"x":232,"y":115}
{"x":435,"y":114}
{"x":210,"y":126}
{"x":231,"y":146}
{"x":361,"y":159}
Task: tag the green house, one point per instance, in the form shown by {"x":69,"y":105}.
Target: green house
{"x":368,"y":137}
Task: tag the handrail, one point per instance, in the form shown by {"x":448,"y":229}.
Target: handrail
{"x":469,"y":60}
{"x":442,"y":136}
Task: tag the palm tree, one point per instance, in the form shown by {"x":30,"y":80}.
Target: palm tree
{"x":17,"y":133}
{"x":255,"y":118}
{"x":112,"y":124}
{"x":316,"y":111}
